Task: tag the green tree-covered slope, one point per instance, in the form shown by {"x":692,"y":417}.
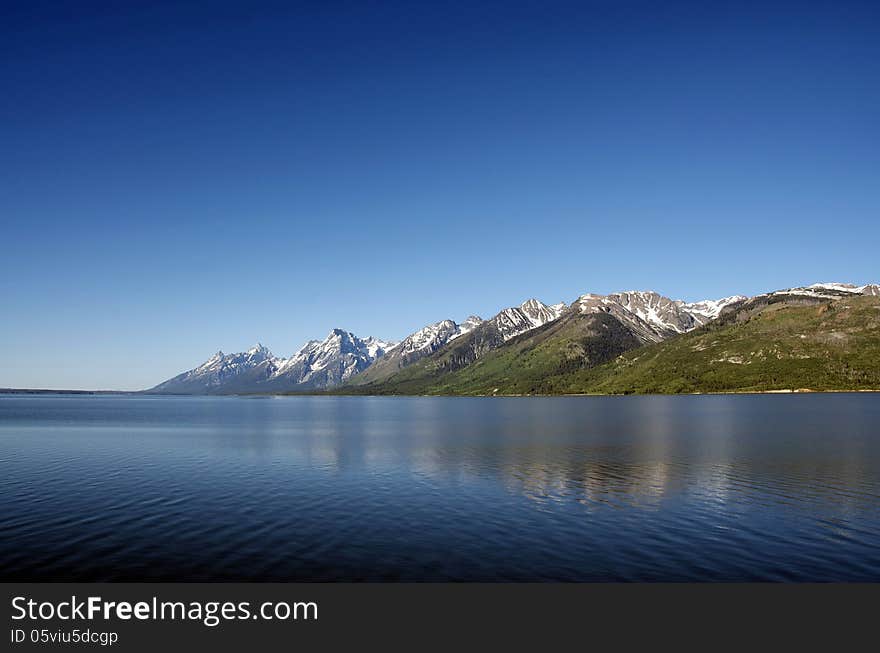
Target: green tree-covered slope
{"x":768,"y":344}
{"x":519,"y":366}
{"x":830,"y":346}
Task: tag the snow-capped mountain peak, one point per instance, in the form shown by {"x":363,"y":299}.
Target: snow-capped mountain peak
{"x":652,"y":307}
{"x":317,"y":364}
{"x":652,"y":316}
{"x":258,"y":350}
{"x":529,"y":315}
{"x":420,"y":344}
{"x":709,"y":309}
{"x":647,"y":315}
{"x":540,"y":313}
{"x":427,"y":337}
{"x":830,"y":290}
{"x":340,"y":347}
{"x":471,"y":323}
{"x":430,"y":338}
{"x":376,"y":347}
{"x":867,"y":289}
{"x":840,"y":287}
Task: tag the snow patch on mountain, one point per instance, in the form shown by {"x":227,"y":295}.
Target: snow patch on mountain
{"x":529,"y":315}
{"x":830,"y":290}
{"x":221,"y":369}
{"x":317,"y":364}
{"x":340,"y":355}
{"x":653,"y":317}
{"x":708,"y":309}
{"x":471,"y":323}
{"x":429,"y":337}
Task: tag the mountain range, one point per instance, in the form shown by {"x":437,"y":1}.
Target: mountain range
{"x":317,"y":365}
{"x":635,"y":341}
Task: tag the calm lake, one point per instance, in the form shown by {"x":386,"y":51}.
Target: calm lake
{"x":707,"y":488}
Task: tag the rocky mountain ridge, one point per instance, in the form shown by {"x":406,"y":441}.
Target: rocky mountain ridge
{"x":631,"y":319}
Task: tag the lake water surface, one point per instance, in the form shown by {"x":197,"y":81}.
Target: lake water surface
{"x":782,"y":488}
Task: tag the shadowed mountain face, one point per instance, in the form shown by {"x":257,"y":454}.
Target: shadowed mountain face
{"x":642,"y":342}
{"x":342,"y":356}
{"x":521,"y":345}
{"x":415,"y":347}
{"x":467,"y":341}
{"x":652,"y":317}
{"x":780,"y":341}
{"x":595,"y":344}
{"x":483,"y":364}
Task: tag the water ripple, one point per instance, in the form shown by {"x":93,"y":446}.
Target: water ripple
{"x":644,"y":489}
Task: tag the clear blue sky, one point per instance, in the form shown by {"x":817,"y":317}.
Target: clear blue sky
{"x":180,"y":179}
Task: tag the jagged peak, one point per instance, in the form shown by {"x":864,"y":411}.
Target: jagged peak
{"x":649,"y":314}
{"x":532,"y":302}
{"x":529,"y":315}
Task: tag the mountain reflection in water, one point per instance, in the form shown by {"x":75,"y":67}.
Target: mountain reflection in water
{"x":343,"y":488}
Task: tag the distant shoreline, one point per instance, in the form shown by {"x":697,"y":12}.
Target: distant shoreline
{"x":38,"y":391}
